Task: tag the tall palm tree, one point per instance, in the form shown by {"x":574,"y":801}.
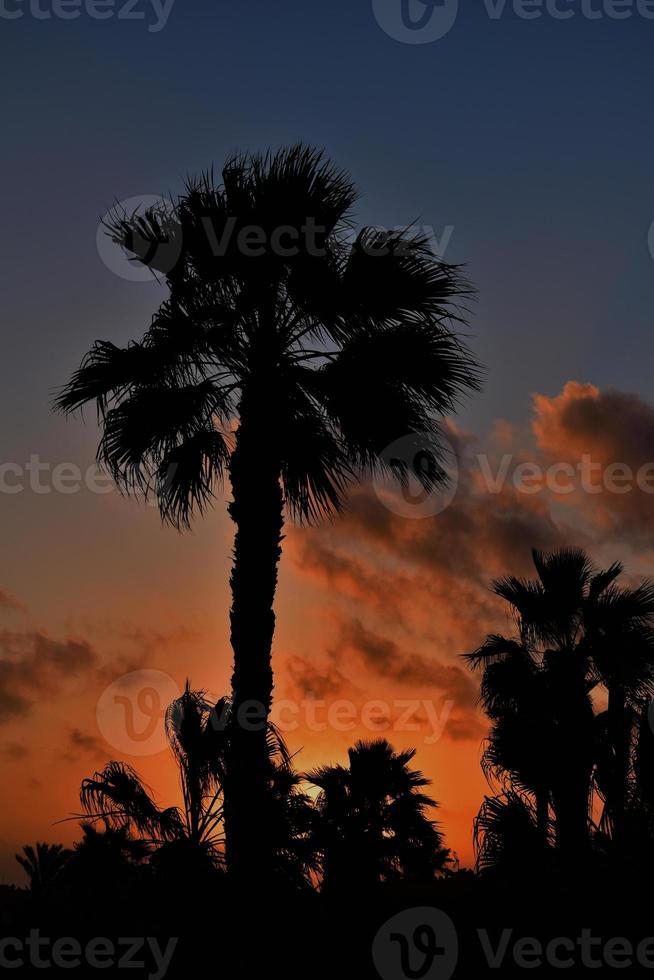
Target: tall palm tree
{"x":43,"y":864}
{"x":322,"y":354}
{"x":373,"y":822}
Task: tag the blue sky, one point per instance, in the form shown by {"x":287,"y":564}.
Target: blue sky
{"x":532,"y":138}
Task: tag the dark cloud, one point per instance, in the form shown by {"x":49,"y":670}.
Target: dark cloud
{"x":615,"y":429}
{"x":363,"y":663}
{"x":386,"y":658}
{"x":33,"y":665}
{"x":15,"y":751}
{"x":422,"y":585}
{"x":82,"y":744}
{"x":312,"y":681}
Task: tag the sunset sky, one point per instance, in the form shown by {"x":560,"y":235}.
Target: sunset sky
{"x":526,"y":145}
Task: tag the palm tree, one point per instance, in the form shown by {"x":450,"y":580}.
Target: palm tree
{"x":104,"y":852}
{"x":507,"y":836}
{"x":108,"y":872}
{"x":515,"y":696}
{"x":640,"y":807}
{"x":620,"y":629}
{"x":577,"y":630}
{"x":118,"y":797}
{"x":322,"y":353}
{"x":372,"y":821}
{"x":43,"y":864}
{"x":198,"y":733}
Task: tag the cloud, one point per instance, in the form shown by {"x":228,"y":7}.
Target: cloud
{"x":9,"y":603}
{"x":584,"y":419}
{"x":15,"y":751}
{"x":386,"y":658}
{"x":406,"y":596}
{"x":615,"y":431}
{"x":313,"y":681}
{"x":364,"y":666}
{"x":33,"y":664}
{"x":82,"y":744}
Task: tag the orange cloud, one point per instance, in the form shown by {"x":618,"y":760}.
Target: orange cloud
{"x":8,"y":602}
{"x":613,"y":431}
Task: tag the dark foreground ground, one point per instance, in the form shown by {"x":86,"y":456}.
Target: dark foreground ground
{"x":461,"y":926}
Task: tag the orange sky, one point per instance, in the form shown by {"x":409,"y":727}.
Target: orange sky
{"x":373,"y":612}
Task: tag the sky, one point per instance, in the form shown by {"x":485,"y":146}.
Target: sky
{"x":525,"y":145}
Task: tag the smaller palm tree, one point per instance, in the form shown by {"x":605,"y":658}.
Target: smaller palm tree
{"x":107,"y":850}
{"x":372,"y":820}
{"x":118,"y":796}
{"x":193,"y":835}
{"x":507,"y":837}
{"x":578,"y":631}
{"x":43,"y":864}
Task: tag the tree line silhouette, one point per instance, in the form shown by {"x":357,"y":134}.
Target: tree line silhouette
{"x":568,"y":755}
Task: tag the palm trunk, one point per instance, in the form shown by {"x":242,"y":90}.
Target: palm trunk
{"x":542,"y":814}
{"x":257,"y":511}
{"x":619,"y":733}
{"x":573,"y":763}
{"x":571,"y":806}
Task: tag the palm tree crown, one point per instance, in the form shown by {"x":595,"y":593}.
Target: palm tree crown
{"x":43,"y":863}
{"x":373,"y":823}
{"x":340,"y":347}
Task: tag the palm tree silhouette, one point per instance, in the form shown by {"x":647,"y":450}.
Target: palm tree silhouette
{"x":102,"y":851}
{"x":192,"y":836}
{"x":324,"y":352}
{"x":118,"y":797}
{"x":508,"y":838}
{"x":43,"y":864}
{"x":372,"y":823}
{"x":577,"y":631}
{"x":639,"y":829}
{"x":620,"y":629}
{"x":515,"y":696}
